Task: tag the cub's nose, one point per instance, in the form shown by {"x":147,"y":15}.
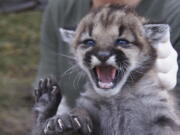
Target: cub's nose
{"x":103,"y":56}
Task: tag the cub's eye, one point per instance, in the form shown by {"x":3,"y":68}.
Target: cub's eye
{"x":89,"y":42}
{"x":122,"y":42}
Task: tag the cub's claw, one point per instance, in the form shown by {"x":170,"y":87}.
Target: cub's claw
{"x":83,"y":120}
{"x":60,"y":123}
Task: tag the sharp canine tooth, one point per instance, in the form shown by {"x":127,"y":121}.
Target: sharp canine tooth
{"x":113,"y":73}
{"x":98,"y":72}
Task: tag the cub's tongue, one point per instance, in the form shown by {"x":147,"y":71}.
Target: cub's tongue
{"x":105,"y":74}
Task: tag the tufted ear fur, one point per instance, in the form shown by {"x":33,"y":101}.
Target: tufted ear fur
{"x":67,"y":35}
{"x":157,"y":32}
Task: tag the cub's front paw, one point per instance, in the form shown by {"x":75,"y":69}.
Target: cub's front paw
{"x":47,"y":97}
{"x":75,"y":122}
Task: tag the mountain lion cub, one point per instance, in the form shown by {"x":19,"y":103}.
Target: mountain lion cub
{"x":114,"y":47}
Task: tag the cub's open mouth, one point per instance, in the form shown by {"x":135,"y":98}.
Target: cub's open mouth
{"x":106,"y":76}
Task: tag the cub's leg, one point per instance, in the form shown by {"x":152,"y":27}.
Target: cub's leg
{"x":47,"y":99}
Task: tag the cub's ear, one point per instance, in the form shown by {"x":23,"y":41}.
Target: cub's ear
{"x":157,"y":32}
{"x":67,"y":35}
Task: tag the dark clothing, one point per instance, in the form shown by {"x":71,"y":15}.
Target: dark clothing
{"x":8,"y":6}
{"x":67,"y":14}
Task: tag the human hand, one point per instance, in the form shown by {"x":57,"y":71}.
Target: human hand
{"x":166,"y":64}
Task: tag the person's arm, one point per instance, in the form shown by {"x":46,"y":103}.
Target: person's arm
{"x":48,"y":47}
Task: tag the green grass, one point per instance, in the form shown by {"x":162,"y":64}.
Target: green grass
{"x":19,"y":56}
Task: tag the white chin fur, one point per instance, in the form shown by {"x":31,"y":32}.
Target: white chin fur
{"x":107,"y":92}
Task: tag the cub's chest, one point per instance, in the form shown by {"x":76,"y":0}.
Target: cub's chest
{"x":122,"y":117}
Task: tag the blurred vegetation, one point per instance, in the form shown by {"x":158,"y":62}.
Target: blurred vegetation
{"x":19,"y":56}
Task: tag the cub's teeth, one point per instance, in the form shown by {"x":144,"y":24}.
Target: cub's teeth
{"x":105,"y":85}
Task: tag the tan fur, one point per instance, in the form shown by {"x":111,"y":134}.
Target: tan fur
{"x":104,"y":26}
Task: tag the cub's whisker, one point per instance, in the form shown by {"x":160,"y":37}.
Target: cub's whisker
{"x":69,"y":70}
{"x":67,"y":56}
